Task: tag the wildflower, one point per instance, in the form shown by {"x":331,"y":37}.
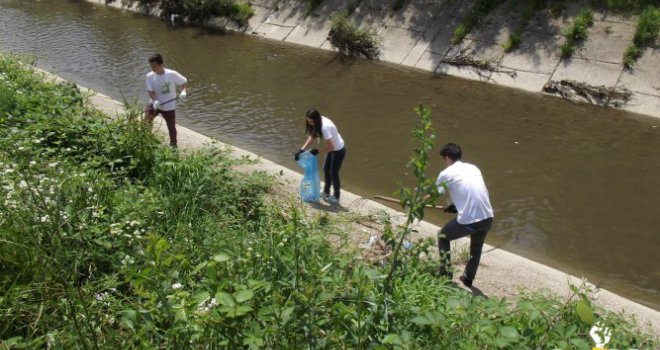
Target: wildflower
{"x":206,"y":306}
{"x":177,"y":286}
{"x":52,"y":165}
{"x":22,"y":184}
{"x":44,"y":218}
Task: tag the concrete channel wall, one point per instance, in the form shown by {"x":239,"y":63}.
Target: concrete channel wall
{"x":501,"y":273}
{"x":419,"y":36}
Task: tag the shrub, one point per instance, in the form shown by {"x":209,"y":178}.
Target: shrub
{"x":645,"y":35}
{"x":200,"y":11}
{"x":351,"y":40}
{"x":578,"y":32}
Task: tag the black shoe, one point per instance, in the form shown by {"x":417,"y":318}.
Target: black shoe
{"x":465,"y":281}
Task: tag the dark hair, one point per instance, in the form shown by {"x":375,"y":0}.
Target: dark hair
{"x":156,"y":58}
{"x":314,"y":131}
{"x":451,"y":150}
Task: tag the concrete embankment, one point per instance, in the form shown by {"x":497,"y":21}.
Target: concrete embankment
{"x":500,"y":274}
{"x":419,"y":36}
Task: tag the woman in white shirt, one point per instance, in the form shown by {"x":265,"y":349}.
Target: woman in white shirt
{"x":319,"y":127}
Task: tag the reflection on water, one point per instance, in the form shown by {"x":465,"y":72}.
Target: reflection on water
{"x":573,"y":186}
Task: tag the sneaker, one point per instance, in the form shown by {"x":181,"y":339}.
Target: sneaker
{"x":465,"y":281}
{"x":332,"y":200}
{"x":324,"y":196}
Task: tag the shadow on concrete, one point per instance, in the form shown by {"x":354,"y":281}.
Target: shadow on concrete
{"x":477,"y":292}
{"x":328,"y":208}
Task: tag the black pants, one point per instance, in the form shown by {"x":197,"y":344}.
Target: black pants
{"x":331,"y":168}
{"x":170,"y":121}
{"x":453,"y":230}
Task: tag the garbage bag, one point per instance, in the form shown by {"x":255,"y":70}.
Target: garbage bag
{"x":310,"y":186}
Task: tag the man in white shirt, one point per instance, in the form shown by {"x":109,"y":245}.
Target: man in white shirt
{"x":471,"y":202}
{"x":161,"y":86}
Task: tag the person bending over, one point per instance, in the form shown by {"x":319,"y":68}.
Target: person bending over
{"x":319,"y":127}
{"x":471,"y":202}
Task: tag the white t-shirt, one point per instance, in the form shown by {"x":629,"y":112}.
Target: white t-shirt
{"x":468,"y":192}
{"x":164,"y":85}
{"x":330,"y":132}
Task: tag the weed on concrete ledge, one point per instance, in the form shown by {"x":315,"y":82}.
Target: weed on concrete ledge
{"x":645,"y":35}
{"x":578,"y":32}
{"x":528,"y":11}
{"x":352,"y":40}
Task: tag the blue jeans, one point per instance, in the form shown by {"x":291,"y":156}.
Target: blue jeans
{"x":453,"y":230}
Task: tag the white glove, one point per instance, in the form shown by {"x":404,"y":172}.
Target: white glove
{"x":156,"y":104}
{"x":183,"y":94}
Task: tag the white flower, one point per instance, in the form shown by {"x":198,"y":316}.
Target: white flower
{"x":177,"y":286}
{"x":101,"y":296}
{"x":21,"y":148}
{"x":37,"y":141}
{"x":52,"y":165}
{"x":32,"y":162}
{"x":44,"y":218}
{"x":22,"y":184}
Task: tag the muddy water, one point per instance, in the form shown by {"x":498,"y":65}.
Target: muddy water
{"x":573,"y":186}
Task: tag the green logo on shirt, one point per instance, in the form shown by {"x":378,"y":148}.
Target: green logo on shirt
{"x":165,"y":89}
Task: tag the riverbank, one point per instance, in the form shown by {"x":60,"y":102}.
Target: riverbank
{"x":419,"y":36}
{"x":501,"y":273}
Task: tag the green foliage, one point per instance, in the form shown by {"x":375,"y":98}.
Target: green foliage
{"x":514,"y":41}
{"x":200,"y":11}
{"x":578,"y":32}
{"x":529,"y":8}
{"x":647,"y":31}
{"x":352,"y":40}
{"x":176,"y":250}
{"x":475,"y":15}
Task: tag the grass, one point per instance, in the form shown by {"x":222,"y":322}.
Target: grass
{"x":646,"y":33}
{"x":528,"y":10}
{"x":477,"y":12}
{"x":351,"y":40}
{"x":110,"y":240}
{"x":577,"y":33}
{"x":201,"y":11}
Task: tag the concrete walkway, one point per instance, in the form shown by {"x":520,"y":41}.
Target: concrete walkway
{"x":419,"y":36}
{"x":500,"y":274}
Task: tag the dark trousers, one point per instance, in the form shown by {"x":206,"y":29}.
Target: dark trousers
{"x":331,"y":168}
{"x":170,"y":120}
{"x":453,"y":230}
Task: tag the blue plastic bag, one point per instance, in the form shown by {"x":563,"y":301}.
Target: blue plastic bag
{"x":310,"y":186}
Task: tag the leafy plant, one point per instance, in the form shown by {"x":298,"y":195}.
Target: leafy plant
{"x":646,"y":33}
{"x":578,"y":32}
{"x":351,"y":40}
